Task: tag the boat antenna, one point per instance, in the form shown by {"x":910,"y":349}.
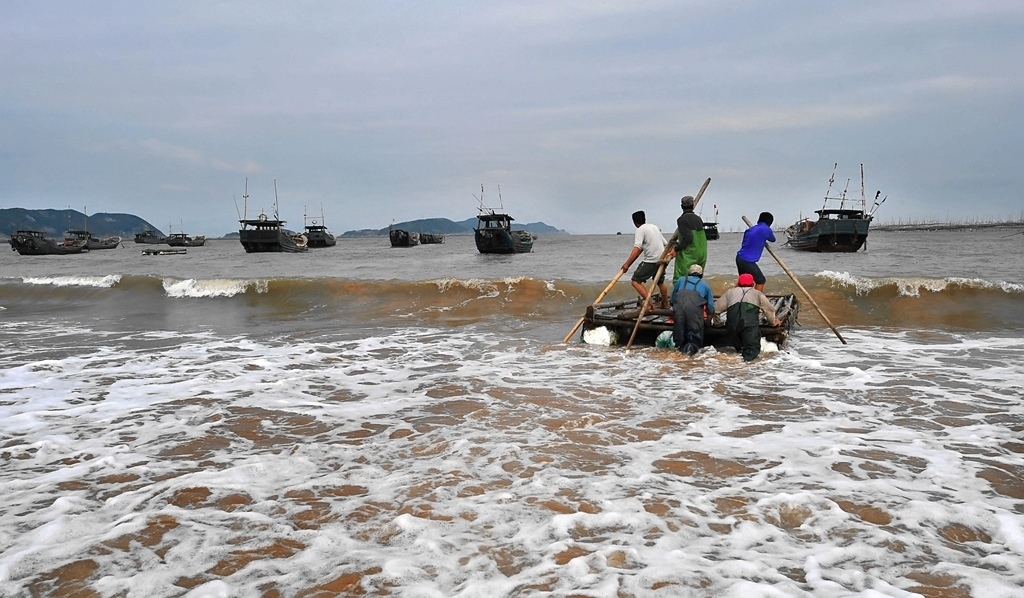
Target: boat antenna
{"x":237,"y":213}
{"x":501,"y":205}
{"x":842,"y":198}
{"x":878,"y":204}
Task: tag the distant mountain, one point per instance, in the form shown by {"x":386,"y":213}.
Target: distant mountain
{"x":447,"y":227}
{"x":53,"y":223}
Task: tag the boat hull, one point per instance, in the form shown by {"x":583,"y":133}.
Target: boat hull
{"x":264,"y":239}
{"x":829,"y":235}
{"x":499,"y":240}
{"x":621,"y":317}
{"x":182,"y":240}
{"x":402,"y":238}
{"x":78,"y":237}
{"x":318,"y":237}
{"x":34,"y":243}
{"x":150,"y":238}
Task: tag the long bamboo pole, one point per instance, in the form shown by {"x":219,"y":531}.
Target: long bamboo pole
{"x":596,"y":301}
{"x":661,"y":268}
{"x":800,"y":286}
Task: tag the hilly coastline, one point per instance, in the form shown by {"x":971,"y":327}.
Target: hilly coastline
{"x":53,"y":224}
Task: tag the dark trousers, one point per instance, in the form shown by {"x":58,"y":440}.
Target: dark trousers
{"x":688,"y":329}
{"x":742,"y":322}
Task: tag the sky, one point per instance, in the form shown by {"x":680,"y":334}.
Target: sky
{"x":581,"y":111}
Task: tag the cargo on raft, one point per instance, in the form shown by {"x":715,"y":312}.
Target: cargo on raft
{"x":620,"y":318}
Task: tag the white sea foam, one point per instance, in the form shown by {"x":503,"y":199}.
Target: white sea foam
{"x":438,"y":463}
{"x":220,"y":287}
{"x":75,"y":281}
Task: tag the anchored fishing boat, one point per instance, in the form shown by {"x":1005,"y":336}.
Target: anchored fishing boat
{"x":431,"y":238}
{"x":33,"y":242}
{"x":711,"y":228}
{"x":620,"y":318}
{"x":150,"y":237}
{"x":268,"y":235}
{"x":183,"y":240}
{"x":317,"y":234}
{"x":91,"y":243}
{"x":403,"y":238}
{"x":494,"y":233}
{"x":842,"y":229}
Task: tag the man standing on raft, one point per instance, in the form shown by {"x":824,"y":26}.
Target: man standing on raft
{"x":649,"y":243}
{"x":692,"y":242}
{"x":752,"y":247}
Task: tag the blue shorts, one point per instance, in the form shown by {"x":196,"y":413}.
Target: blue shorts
{"x":751,"y":268}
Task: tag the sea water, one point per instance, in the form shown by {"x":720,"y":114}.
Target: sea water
{"x":362,"y":420}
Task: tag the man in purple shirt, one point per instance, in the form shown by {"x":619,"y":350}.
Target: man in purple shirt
{"x":752,"y":247}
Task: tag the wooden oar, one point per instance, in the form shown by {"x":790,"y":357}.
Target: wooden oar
{"x":596,"y":301}
{"x":661,"y":268}
{"x":800,"y":286}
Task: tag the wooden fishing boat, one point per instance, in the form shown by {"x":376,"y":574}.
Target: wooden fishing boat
{"x":317,"y":234}
{"x":620,"y":318}
{"x":91,"y":242}
{"x":711,"y":228}
{"x":268,"y":235}
{"x":842,"y":229}
{"x":403,"y":238}
{"x":183,"y":240}
{"x":431,"y":238}
{"x":33,"y":242}
{"x":150,"y":237}
{"x":494,"y":232}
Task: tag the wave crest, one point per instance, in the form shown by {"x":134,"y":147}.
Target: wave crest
{"x":104,"y":282}
{"x":217,"y":287}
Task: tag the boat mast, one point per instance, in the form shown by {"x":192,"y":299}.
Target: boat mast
{"x":276,"y":215}
{"x":863,"y":197}
{"x":831,"y":180}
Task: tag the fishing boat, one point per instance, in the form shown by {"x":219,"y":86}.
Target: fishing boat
{"x":842,"y":229}
{"x":33,"y":242}
{"x":431,"y":238}
{"x":403,"y":238}
{"x":150,"y":237}
{"x":183,"y":240}
{"x":268,"y":235}
{"x":494,"y":232}
{"x":317,"y":234}
{"x":711,"y":228}
{"x":91,"y":242}
{"x":619,"y":318}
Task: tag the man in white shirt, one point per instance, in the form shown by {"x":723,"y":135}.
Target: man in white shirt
{"x":650,"y":243}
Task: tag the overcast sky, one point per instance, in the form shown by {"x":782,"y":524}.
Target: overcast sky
{"x":582,"y":111}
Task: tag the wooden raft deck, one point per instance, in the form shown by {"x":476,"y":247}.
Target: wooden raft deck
{"x":621,"y":317}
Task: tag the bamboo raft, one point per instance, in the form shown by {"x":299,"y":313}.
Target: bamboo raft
{"x":620,"y":317}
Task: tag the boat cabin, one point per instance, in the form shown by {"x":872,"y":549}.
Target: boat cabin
{"x":840,"y":214}
{"x":495,"y":221}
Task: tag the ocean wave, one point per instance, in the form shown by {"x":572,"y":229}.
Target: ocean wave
{"x":913,"y":286}
{"x":105,"y":282}
{"x":220,"y":287}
